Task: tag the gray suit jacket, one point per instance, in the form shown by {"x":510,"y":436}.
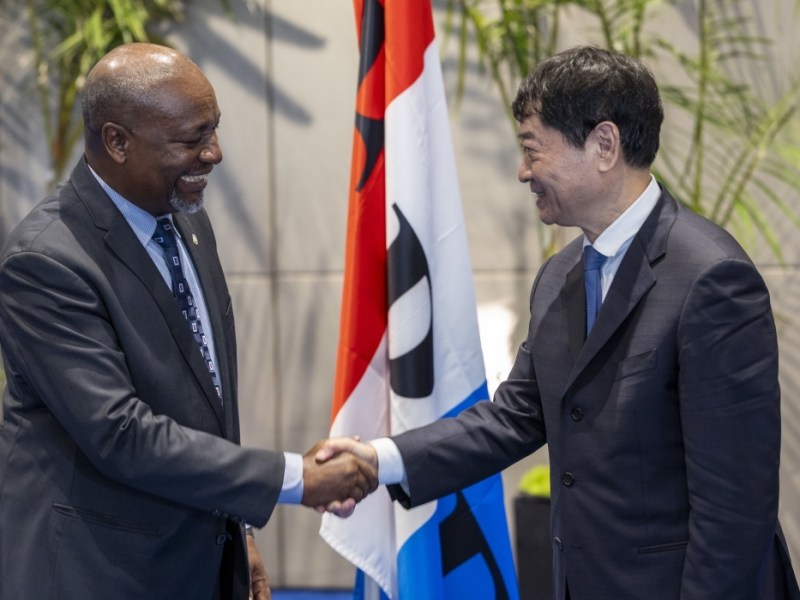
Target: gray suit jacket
{"x":120,"y":471}
{"x":663,"y":426}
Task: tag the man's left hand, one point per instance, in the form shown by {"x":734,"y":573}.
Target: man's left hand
{"x":259,"y":582}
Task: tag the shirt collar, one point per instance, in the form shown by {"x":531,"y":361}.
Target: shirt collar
{"x":627,"y":225}
{"x":141,"y":221}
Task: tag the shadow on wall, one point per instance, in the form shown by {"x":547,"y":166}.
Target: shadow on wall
{"x":206,"y":46}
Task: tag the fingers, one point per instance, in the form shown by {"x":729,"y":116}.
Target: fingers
{"x":327,"y":449}
{"x":340,"y":509}
{"x":259,"y":580}
{"x":358,"y":476}
{"x":343,"y":477}
{"x":332,"y":447}
{"x":260,"y":589}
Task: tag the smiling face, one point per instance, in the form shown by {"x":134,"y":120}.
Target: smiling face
{"x":589,"y":122}
{"x":562,"y":177}
{"x":172,"y":146}
{"x":150,"y":123}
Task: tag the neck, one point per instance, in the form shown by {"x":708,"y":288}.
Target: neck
{"x":627,"y":190}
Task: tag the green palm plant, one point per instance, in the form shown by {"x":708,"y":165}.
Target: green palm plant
{"x":68,"y":37}
{"x":740,"y":153}
{"x":731,"y":150}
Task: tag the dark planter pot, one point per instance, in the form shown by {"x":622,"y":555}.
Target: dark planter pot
{"x":534,"y":548}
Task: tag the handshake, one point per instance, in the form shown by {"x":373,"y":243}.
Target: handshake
{"x":337,"y":474}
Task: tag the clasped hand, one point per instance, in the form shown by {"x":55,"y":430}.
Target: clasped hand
{"x":337,"y":474}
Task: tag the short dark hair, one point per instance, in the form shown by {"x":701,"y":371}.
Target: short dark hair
{"x":579,"y":88}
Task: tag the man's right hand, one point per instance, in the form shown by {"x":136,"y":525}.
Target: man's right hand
{"x":336,"y":475}
{"x":328,"y":449}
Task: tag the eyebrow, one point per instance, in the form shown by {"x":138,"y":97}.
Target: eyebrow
{"x":206,"y":125}
{"x":527,"y":135}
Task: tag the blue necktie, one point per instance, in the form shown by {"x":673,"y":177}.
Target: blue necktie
{"x":164,"y":236}
{"x":592,"y":263}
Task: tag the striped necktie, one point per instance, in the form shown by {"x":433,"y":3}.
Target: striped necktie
{"x":164,"y":236}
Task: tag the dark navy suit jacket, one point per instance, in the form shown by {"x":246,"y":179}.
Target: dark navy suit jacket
{"x":663,"y":426}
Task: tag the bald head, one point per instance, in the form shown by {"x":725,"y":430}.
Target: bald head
{"x":150,"y":127}
{"x":126,"y":83}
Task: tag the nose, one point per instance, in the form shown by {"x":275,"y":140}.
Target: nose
{"x":212,"y":151}
{"x":524,"y":172}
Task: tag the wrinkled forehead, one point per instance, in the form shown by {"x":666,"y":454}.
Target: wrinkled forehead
{"x":186,"y":102}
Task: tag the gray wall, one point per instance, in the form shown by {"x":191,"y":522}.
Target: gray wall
{"x":285,"y":75}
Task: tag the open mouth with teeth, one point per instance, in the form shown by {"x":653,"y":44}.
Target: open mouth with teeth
{"x":195,"y":178}
{"x":192,"y":184}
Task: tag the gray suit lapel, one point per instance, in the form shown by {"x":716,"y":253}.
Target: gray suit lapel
{"x":121,"y":240}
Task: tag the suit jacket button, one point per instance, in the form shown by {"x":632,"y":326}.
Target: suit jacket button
{"x":576,"y":414}
{"x":216,"y":512}
{"x":557,"y":542}
{"x":221,"y":539}
{"x":567,"y":479}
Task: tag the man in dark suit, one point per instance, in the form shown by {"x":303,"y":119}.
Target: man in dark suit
{"x":121,"y":473}
{"x":661,"y":410}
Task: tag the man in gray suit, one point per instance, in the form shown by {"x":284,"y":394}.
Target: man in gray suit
{"x":653,"y":380}
{"x":121,"y":473}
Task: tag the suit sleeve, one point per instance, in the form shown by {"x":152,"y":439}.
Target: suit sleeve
{"x":67,"y":358}
{"x":730,"y":414}
{"x":451,"y":454}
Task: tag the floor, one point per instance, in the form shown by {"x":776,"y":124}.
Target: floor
{"x":312,"y":594}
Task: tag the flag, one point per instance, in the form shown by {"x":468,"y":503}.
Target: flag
{"x":409,"y":349}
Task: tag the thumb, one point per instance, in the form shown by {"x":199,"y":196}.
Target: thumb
{"x":334,"y":446}
{"x":324,"y":453}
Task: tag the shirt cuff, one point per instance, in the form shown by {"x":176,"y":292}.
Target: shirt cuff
{"x":391,"y":469}
{"x":292,"y":490}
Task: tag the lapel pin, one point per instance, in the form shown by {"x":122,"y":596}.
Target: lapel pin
{"x":194,"y":239}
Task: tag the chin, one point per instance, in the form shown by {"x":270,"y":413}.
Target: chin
{"x":546,"y":218}
{"x":186,"y":206}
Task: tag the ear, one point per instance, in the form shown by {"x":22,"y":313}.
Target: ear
{"x":609,"y":150}
{"x":115,"y":140}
